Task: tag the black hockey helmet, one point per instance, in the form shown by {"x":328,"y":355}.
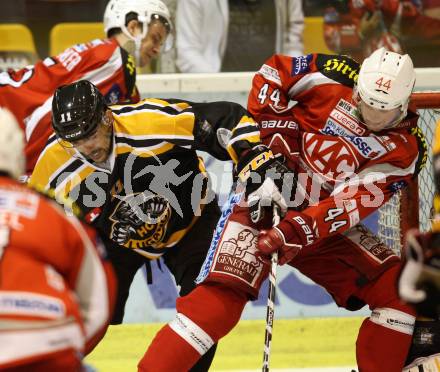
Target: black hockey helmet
{"x":77,"y":110}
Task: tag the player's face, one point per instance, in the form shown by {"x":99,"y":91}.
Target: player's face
{"x":376,"y":119}
{"x":152,"y":43}
{"x":97,"y":146}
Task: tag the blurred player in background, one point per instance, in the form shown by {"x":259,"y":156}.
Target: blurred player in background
{"x":353,"y":143}
{"x":57,"y":291}
{"x":357,"y":28}
{"x":419,"y":283}
{"x":134,"y":172}
{"x":136,"y":31}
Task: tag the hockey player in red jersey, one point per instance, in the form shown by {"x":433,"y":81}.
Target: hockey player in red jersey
{"x":353,"y":143}
{"x":136,"y":31}
{"x":57,"y":291}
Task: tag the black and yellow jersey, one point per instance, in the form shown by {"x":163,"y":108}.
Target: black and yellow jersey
{"x":154,"y":186}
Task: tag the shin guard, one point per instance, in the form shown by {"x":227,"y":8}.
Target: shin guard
{"x":204,"y":316}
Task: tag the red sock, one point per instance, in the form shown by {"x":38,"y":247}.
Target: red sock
{"x":205,"y":315}
{"x":168,"y":352}
{"x":384,"y":339}
{"x":381,"y":349}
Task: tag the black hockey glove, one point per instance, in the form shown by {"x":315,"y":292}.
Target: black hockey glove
{"x":263,"y":175}
{"x":419,"y":282}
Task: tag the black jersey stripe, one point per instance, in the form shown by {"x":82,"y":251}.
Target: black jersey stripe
{"x":146,"y":106}
{"x":69,"y":169}
{"x":243,"y":130}
{"x":138,"y":143}
{"x":51,"y":139}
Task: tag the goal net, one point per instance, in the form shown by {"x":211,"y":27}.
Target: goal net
{"x":412,"y":207}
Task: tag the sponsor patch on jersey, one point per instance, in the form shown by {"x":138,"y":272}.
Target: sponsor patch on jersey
{"x":93,"y":214}
{"x":386,"y":142}
{"x":236,"y":256}
{"x":373,"y":246}
{"x":396,"y":186}
{"x":301,"y":65}
{"x":368,"y":147}
{"x":226,"y":212}
{"x":270,"y":73}
{"x":350,"y":205}
{"x":422,"y":146}
{"x":281,"y":124}
{"x":19,"y":203}
{"x":333,"y":128}
{"x":21,"y":303}
{"x":341,"y":69}
{"x":348,"y":109}
{"x":347,"y":122}
{"x":113,"y":95}
{"x":354,"y":218}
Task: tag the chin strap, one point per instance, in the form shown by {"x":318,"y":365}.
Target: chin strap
{"x":137,"y":39}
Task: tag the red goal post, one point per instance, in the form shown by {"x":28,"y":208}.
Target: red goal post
{"x":412,"y":207}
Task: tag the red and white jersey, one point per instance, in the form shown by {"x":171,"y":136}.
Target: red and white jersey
{"x":347,"y":171}
{"x":28,"y":92}
{"x":56,"y":289}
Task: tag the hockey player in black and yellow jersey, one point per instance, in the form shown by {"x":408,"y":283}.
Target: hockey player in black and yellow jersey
{"x":419,"y":282}
{"x":134,"y":172}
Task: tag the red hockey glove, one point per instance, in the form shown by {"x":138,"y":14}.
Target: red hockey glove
{"x":293,"y":232}
{"x":419,"y":282}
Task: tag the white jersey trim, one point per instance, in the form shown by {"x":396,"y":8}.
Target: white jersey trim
{"x":21,"y":344}
{"x":393,"y":319}
{"x":191,"y":333}
{"x":308,"y":82}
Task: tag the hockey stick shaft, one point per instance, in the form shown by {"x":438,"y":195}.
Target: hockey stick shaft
{"x":270,"y":309}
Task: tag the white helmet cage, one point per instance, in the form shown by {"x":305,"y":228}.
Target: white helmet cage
{"x":386,"y":80}
{"x":12,"y":159}
{"x":115,"y":16}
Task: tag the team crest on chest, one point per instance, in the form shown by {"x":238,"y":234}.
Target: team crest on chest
{"x":332,"y":158}
{"x":140,"y":221}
